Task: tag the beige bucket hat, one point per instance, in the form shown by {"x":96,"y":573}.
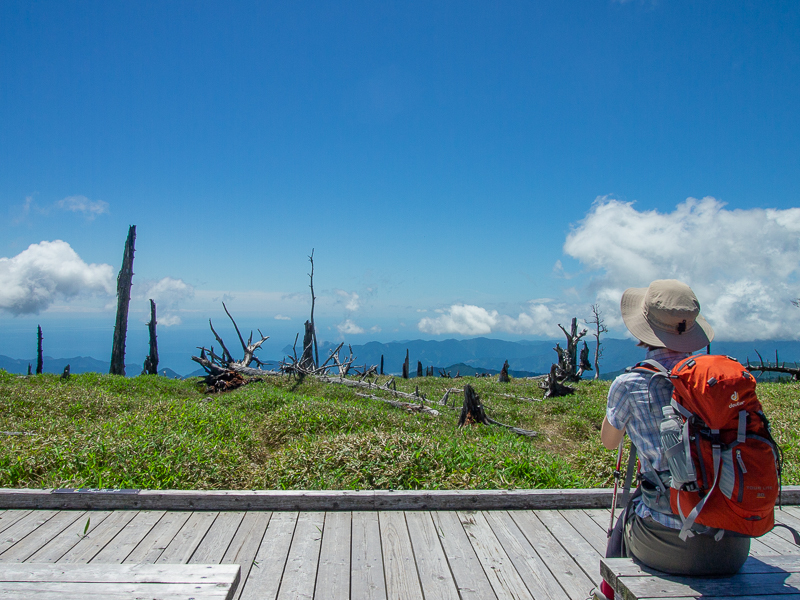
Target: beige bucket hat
{"x":666,"y":313}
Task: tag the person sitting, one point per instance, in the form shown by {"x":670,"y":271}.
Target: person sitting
{"x":665,"y":319}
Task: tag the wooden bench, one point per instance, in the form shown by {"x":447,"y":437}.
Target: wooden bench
{"x":117,"y":582}
{"x":761,"y":578}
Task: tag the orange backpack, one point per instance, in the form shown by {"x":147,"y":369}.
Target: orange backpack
{"x":729,"y":465}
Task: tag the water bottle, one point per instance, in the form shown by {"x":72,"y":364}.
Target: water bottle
{"x":670,"y":438}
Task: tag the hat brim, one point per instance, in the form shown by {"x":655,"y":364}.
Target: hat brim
{"x":699,"y":336}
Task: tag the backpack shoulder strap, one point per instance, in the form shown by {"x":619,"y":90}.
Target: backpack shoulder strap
{"x":626,"y":490}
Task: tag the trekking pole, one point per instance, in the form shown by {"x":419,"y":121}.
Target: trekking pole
{"x":617,"y":476}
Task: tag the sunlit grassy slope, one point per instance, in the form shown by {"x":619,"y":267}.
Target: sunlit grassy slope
{"x":151,"y":432}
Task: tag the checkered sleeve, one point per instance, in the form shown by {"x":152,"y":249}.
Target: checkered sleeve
{"x":619,"y":409}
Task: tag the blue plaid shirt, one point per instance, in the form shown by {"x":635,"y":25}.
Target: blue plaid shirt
{"x":632,"y":408}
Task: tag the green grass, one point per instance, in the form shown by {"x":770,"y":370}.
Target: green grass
{"x":150,"y":432}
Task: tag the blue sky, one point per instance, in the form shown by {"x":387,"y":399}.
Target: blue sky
{"x":459,"y":168}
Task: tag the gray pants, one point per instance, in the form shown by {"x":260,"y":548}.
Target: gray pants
{"x":660,"y":548}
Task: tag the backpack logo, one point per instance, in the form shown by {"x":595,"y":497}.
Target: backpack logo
{"x":735,"y":397}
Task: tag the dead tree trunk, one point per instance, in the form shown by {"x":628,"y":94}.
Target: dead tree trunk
{"x":570,"y":356}
{"x":405,"y":366}
{"x":39,"y":361}
{"x":65,"y":374}
{"x":503,"y":377}
{"x":307,"y":359}
{"x":554,"y":388}
{"x":313,"y":299}
{"x":151,"y":361}
{"x":599,"y":329}
{"x":419,"y":368}
{"x":124,"y":281}
{"x":584,"y":364}
{"x":381,"y":364}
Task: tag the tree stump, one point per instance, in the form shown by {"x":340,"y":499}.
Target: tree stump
{"x":472,"y":409}
{"x":381,"y":364}
{"x":405,"y":366}
{"x":65,"y":374}
{"x":503,"y":377}
{"x":554,"y":388}
{"x":307,"y":358}
{"x":419,"y":368}
{"x":151,"y":361}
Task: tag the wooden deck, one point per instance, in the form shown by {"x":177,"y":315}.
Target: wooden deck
{"x":480,"y":555}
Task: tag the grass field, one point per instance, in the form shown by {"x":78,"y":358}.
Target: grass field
{"x":150,"y":432}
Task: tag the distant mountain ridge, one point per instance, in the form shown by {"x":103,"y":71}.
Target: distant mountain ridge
{"x":525,"y":358}
{"x":77,"y":364}
{"x":534,"y":356}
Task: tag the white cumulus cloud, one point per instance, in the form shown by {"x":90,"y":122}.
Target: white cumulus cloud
{"x":463,"y":319}
{"x":37,"y":276}
{"x":350,"y":299}
{"x":168,"y":293}
{"x":744,"y":265}
{"x":348,"y":327}
{"x":541,"y":318}
{"x":282,"y":318}
{"x":82,"y":204}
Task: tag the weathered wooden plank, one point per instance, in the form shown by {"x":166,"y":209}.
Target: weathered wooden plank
{"x":300,"y":572}
{"x":789,"y":515}
{"x":791,"y":508}
{"x":333,"y":575}
{"x":742,"y":586}
{"x":97,"y":539}
{"x":158,"y":538}
{"x":116,"y":591}
{"x":24,"y":527}
{"x":367,"y":579}
{"x":31,"y":543}
{"x":582,"y":551}
{"x":219,"y":536}
{"x":626,"y":567}
{"x":778,"y":544}
{"x":602,"y":516}
{"x":757,"y":597}
{"x":499,"y":568}
{"x":9,"y":517}
{"x":186,"y":541}
{"x":296,"y":500}
{"x":434,"y":572}
{"x":129,"y":538}
{"x":64,"y":541}
{"x":244,"y":546}
{"x":105,"y":573}
{"x":530,"y":566}
{"x":586,"y":526}
{"x":265,"y":575}
{"x":311,"y":500}
{"x":558,"y":558}
{"x":470,"y":579}
{"x":759,"y":548}
{"x":399,"y":569}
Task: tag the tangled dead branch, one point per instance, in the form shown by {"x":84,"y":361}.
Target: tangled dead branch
{"x":763,"y":367}
{"x":223,"y":373}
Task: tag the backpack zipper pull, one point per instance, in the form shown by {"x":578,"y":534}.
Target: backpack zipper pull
{"x":740,"y":461}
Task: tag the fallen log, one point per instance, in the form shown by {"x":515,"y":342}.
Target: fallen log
{"x":407,"y":406}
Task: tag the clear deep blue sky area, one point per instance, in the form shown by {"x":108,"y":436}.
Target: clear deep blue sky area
{"x":459,"y":169}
